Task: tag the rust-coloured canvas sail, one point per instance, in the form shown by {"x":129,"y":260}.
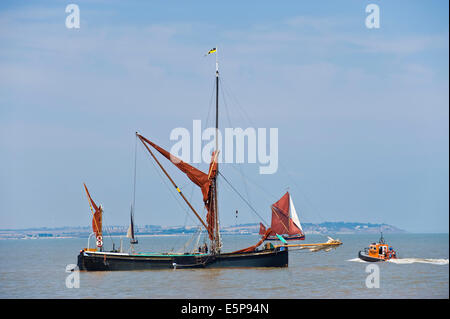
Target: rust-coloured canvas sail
{"x":204,"y":181}
{"x":195,"y":175}
{"x":282,"y":222}
{"x":96,"y":215}
{"x":209,"y":203}
{"x":262,"y":229}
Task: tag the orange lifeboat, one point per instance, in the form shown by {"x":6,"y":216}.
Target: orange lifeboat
{"x":380,"y":251}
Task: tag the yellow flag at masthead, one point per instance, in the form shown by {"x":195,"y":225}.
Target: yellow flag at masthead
{"x":211,"y":51}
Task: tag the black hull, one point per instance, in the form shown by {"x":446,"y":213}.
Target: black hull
{"x":365,"y":257}
{"x":95,"y":261}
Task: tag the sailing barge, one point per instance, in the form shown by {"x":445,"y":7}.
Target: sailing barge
{"x":97,"y":259}
{"x":254,"y":256}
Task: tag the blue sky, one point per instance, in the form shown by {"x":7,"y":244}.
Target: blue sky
{"x":362,"y":113}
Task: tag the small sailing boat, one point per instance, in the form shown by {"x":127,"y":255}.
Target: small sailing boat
{"x":285,"y":222}
{"x":210,"y":257}
{"x":130,"y":232}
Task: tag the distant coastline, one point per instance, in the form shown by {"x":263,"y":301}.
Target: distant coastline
{"x":325,"y":228}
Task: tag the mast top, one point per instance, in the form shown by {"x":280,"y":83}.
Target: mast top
{"x":214,"y":50}
{"x":217,"y":63}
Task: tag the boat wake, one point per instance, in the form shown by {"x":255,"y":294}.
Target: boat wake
{"x":419,"y":260}
{"x":410,"y":261}
{"x":357,"y":260}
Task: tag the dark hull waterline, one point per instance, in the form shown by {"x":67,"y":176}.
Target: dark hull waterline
{"x":368,"y":258}
{"x":97,"y":261}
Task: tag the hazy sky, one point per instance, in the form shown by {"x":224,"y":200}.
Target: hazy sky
{"x":362,"y":114}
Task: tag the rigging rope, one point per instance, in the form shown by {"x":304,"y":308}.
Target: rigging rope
{"x":248,"y":204}
{"x":210,"y":103}
{"x":226,"y":91}
{"x":230,"y":125}
{"x":135,"y":165}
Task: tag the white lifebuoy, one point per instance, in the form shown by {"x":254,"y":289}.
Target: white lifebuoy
{"x":99,"y":241}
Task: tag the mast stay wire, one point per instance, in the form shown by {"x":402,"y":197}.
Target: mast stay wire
{"x":239,"y":194}
{"x":210,"y":103}
{"x":229,"y":122}
{"x":227,"y":90}
{"x":248,"y":179}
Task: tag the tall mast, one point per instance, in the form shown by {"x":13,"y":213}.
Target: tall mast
{"x":217,"y":244}
{"x":217,"y":99}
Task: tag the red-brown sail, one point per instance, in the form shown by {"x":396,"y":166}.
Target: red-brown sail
{"x":262,"y":229}
{"x":204,"y":181}
{"x":282,"y":222}
{"x":209,"y":203}
{"x":197,"y":176}
{"x":96,"y":215}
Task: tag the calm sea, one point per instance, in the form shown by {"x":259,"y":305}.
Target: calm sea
{"x":37,"y":269}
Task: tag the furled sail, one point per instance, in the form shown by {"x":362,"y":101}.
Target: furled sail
{"x":253,"y":248}
{"x":284,"y":218}
{"x":97,"y":212}
{"x":209,"y":203}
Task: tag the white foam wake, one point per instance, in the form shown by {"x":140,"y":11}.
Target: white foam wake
{"x":419,"y":260}
{"x":410,"y":261}
{"x":358,"y":260}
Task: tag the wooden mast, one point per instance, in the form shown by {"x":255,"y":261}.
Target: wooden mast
{"x":217,"y":242}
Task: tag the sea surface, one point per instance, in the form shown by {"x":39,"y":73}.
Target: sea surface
{"x":36,"y":268}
